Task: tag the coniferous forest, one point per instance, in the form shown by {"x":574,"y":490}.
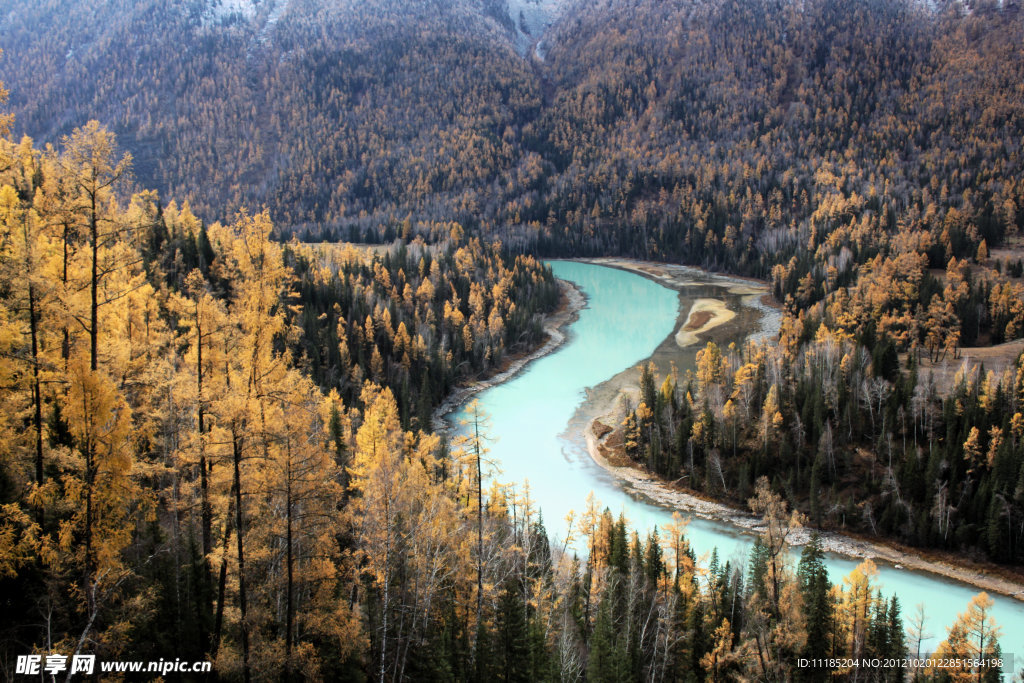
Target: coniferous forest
{"x":217,"y":438}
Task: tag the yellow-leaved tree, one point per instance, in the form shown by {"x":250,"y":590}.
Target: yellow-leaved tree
{"x":972,"y":644}
{"x":28,"y":265}
{"x":407,"y":523}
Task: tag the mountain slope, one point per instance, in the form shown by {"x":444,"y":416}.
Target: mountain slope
{"x":249,"y":101}
{"x":733,"y":133}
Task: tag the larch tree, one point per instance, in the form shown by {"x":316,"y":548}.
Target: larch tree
{"x":27,"y":262}
{"x":472,"y":446}
{"x":295,"y":541}
{"x":853,"y":612}
{"x":107,"y":270}
{"x":200,"y":386}
{"x":256,"y":372}
{"x":973,"y":638}
{"x":88,"y":161}
{"x":377,"y":481}
{"x":775,"y":620}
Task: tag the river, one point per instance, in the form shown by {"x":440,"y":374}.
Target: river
{"x":536,"y":439}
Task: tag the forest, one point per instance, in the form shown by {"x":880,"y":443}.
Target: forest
{"x":856,"y":442}
{"x":217,"y":441}
{"x":176,"y":483}
{"x":735,"y":134}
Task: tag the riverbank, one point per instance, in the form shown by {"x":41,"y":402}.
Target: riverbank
{"x":686,"y":502}
{"x":602,"y":414}
{"x":555,"y":324}
{"x":754,"y":294}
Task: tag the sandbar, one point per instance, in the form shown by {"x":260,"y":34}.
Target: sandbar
{"x":705,"y":314}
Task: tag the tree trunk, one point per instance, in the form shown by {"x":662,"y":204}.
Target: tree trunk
{"x":94,"y":290}
{"x":387,"y":588}
{"x":290,"y":609}
{"x":239,"y":533}
{"x":206,"y":510}
{"x":222,"y":582}
{"x":65,"y":348}
{"x":90,"y":478}
{"x":37,"y":399}
{"x":204,"y":486}
{"x":90,"y":452}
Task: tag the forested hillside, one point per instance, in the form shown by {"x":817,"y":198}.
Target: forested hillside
{"x":805,"y":142}
{"x":320,"y":110}
{"x":734,"y":134}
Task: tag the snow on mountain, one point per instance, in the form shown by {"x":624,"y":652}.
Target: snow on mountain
{"x":531,"y":19}
{"x":219,"y":11}
{"x":227,"y":11}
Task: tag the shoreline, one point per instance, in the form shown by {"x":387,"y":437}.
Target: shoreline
{"x":834,"y":542}
{"x":754,"y":293}
{"x":573,"y":301}
{"x":603,"y":413}
{"x":602,"y":416}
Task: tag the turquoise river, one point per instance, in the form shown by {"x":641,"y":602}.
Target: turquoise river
{"x":626,"y":317}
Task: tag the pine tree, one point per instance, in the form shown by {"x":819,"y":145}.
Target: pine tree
{"x":896,"y":639}
{"x":608,"y":661}
{"x":815,"y":590}
{"x":513,"y":635}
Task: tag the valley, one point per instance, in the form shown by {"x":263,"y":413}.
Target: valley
{"x":513,"y":339}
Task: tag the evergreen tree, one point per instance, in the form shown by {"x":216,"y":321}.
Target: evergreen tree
{"x":512,"y":633}
{"x":814,"y":589}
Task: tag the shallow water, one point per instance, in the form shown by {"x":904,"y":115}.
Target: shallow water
{"x":627,"y":316}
